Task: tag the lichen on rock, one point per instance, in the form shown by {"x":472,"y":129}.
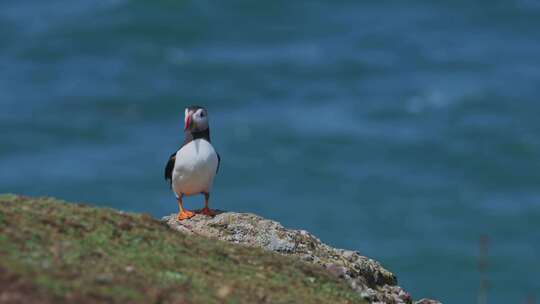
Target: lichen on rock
{"x":366,"y":276}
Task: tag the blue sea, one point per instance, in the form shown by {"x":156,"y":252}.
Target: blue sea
{"x":406,"y":130}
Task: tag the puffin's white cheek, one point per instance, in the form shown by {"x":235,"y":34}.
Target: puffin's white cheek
{"x":201,"y":120}
{"x":204,"y":122}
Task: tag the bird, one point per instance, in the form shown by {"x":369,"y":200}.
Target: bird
{"x":191,"y":170}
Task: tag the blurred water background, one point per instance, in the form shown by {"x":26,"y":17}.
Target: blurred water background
{"x":404,"y":130}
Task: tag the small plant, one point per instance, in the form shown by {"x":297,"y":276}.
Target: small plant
{"x":482,"y":268}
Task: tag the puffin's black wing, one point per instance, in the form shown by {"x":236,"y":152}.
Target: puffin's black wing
{"x":218,"y":162}
{"x":169,"y":168}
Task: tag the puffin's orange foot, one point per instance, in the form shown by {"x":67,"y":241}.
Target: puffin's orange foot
{"x":207,"y":211}
{"x":184,"y":215}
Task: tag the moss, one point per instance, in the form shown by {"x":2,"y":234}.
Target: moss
{"x":68,"y":251}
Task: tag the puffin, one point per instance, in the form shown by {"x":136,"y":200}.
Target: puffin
{"x":191,"y":169}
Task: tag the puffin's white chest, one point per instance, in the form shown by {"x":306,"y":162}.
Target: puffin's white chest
{"x":194,"y":168}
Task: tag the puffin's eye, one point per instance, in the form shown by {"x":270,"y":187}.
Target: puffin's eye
{"x":202,"y":114}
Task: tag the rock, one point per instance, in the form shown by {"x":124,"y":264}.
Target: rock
{"x":337,"y":271}
{"x":364,"y":275}
{"x":223,"y":292}
{"x":104,"y":278}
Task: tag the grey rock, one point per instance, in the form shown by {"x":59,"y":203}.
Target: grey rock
{"x":364,"y":275}
{"x":337,"y":270}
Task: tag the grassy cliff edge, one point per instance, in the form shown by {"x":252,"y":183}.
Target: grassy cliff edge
{"x":54,"y":252}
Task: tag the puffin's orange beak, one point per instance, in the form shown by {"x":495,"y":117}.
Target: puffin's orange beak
{"x":188,"y":122}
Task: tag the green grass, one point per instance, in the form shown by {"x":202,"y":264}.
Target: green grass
{"x":68,"y":251}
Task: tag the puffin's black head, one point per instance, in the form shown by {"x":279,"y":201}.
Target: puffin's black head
{"x":195,"y":119}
